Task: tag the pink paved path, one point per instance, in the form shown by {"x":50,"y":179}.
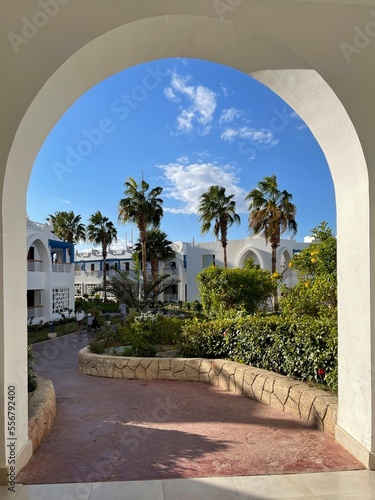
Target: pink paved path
{"x":119,"y":430}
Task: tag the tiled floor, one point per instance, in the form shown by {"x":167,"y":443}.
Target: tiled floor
{"x":353,"y":485}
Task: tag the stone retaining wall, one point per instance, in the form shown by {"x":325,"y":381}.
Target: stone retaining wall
{"x":42,"y":411}
{"x":313,"y":406}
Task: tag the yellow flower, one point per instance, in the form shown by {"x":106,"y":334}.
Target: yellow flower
{"x":306,"y":284}
{"x":275,"y":275}
{"x":290,"y":264}
{"x":313,"y":260}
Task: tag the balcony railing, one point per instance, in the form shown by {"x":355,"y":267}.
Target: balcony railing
{"x":35,"y":312}
{"x":62,"y":267}
{"x":170,"y":296}
{"x":35,"y":265}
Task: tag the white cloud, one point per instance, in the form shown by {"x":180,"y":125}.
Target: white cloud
{"x":66,"y":202}
{"x":169,"y":94}
{"x":261,"y":136}
{"x":183,"y":159}
{"x":186,"y":183}
{"x":229,"y":134}
{"x":200,"y":104}
{"x":228,"y":115}
{"x":224,"y":89}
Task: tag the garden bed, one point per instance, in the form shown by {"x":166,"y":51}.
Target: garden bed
{"x":310,"y":405}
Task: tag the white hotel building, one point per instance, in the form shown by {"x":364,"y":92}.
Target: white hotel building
{"x":190,"y":259}
{"x":50,"y":274}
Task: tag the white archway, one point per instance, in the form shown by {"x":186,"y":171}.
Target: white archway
{"x":250,"y":46}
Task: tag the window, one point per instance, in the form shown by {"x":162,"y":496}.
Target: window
{"x":208,"y":260}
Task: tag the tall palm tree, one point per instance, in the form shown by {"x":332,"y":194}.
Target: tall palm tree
{"x":271,"y":213}
{"x":216,"y":206}
{"x":101,"y":231}
{"x":144,"y":209}
{"x":67,"y":226}
{"x":159,"y":249}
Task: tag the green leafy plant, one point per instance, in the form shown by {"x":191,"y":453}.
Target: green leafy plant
{"x":246,"y":289}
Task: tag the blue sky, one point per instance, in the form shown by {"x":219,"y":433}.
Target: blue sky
{"x":186,"y":125}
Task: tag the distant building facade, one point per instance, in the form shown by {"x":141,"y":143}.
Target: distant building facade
{"x":190,"y":259}
{"x":50,"y":274}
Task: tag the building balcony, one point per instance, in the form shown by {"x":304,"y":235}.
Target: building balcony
{"x":35,"y":265}
{"x":62,"y":267}
{"x":35,"y":312}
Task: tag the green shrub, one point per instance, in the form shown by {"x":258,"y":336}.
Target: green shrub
{"x":31,"y":379}
{"x":234,"y":289}
{"x":142,"y":332}
{"x":304,"y":349}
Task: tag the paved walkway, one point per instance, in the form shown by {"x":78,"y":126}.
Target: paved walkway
{"x":109,"y":430}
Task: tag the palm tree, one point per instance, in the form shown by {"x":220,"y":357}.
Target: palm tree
{"x":125,"y":287}
{"x":216,"y":206}
{"x":101,"y":231}
{"x":142,"y":208}
{"x":271,"y":213}
{"x":67,"y":226}
{"x":159,"y":249}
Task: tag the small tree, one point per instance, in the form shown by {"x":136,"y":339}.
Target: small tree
{"x":246,"y":290}
{"x":316,"y":291}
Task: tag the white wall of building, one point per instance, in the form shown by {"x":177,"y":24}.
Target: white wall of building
{"x":49,"y":276}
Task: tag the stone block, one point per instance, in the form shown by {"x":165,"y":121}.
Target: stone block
{"x":266,"y":398}
{"x":213,"y":378}
{"x":140,"y":373}
{"x":217,"y":365}
{"x":292,"y":407}
{"x":117,"y":373}
{"x":276,"y":403}
{"x":191,"y":373}
{"x":206,"y":366}
{"x":194,"y":363}
{"x":330,"y":420}
{"x":247,"y":390}
{"x":296,"y":391}
{"x":238,"y":378}
{"x":249,"y":376}
{"x":258,"y":386}
{"x":152,"y":370}
{"x":282,"y":387}
{"x":109,"y":367}
{"x":306,"y":402}
{"x":128,"y":373}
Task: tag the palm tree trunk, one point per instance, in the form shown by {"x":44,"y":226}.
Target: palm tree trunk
{"x":225,"y":257}
{"x":104,"y":253}
{"x":105,"y":279}
{"x":144,"y":261}
{"x":275,"y":298}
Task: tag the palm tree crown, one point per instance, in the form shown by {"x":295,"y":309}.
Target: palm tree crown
{"x":216,"y":206}
{"x":67,"y":226}
{"x":101,"y":231}
{"x":143,"y":208}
